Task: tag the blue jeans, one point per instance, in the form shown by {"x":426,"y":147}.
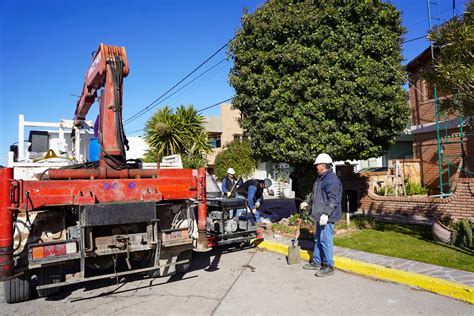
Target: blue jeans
{"x":241,"y":211}
{"x":323,"y":245}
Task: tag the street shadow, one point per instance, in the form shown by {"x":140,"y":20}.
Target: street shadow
{"x":207,"y":261}
{"x":151,"y":284}
{"x":67,"y":290}
{"x":422,"y":232}
{"x":463,"y":250}
{"x":306,"y":234}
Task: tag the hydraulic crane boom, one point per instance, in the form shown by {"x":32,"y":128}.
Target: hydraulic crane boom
{"x":107,"y":71}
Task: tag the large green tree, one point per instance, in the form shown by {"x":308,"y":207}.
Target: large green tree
{"x":320,"y":76}
{"x":182,"y":132}
{"x":453,"y":68}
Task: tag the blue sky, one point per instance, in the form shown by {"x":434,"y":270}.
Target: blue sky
{"x":45,"y":49}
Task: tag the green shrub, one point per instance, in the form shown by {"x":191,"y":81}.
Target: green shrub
{"x":293,"y":219}
{"x":381,"y":191}
{"x":415,"y":189}
{"x":237,"y":155}
{"x":462,"y":233}
{"x":307,"y":219}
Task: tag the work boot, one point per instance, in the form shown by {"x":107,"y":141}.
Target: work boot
{"x":312,"y":266}
{"x":325,"y":271}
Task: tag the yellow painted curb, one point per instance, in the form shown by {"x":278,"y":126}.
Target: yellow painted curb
{"x":447,"y":288}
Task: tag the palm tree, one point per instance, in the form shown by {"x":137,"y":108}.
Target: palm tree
{"x":180,"y":132}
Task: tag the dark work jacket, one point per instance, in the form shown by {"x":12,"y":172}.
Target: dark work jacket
{"x":228,"y":184}
{"x":326,"y":197}
{"x":244,"y":188}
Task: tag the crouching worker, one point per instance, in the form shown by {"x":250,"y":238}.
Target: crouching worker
{"x":325,"y":208}
{"x":252,"y":191}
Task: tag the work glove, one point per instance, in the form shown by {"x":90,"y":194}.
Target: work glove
{"x":228,"y":194}
{"x":304,"y":206}
{"x":323,"y":220}
{"x":257,"y":204}
{"x":254,"y":211}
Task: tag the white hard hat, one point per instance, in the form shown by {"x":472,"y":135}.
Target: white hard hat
{"x":322,"y":158}
{"x":231,"y":171}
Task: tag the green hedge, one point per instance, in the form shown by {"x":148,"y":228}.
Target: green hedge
{"x":237,"y":155}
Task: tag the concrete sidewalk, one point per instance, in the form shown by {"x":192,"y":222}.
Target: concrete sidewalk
{"x":434,"y":278}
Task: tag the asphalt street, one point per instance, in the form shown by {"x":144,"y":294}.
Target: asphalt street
{"x":247,"y":282}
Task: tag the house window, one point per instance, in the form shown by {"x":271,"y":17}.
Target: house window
{"x":214,"y":139}
{"x":215,"y":142}
{"x":241,"y":137}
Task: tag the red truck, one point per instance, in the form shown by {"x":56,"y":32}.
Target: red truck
{"x":101,"y":219}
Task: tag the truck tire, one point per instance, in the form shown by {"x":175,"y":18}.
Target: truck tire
{"x":17,"y":289}
{"x":185,"y":255}
{"x":48,"y":275}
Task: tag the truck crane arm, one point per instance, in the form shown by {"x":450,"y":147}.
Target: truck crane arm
{"x":107,"y":70}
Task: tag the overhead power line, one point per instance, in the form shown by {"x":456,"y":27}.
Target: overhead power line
{"x":136,"y":131}
{"x":200,"y":110}
{"x":194,"y":86}
{"x":175,"y":92}
{"x":414,"y":39}
{"x":145,"y":109}
{"x":424,"y":20}
{"x":211,"y":106}
{"x":405,"y":77}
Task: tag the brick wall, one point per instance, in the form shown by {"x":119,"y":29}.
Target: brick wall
{"x":425,"y":144}
{"x":422,"y":105}
{"x":458,"y":205}
{"x":425,"y":148}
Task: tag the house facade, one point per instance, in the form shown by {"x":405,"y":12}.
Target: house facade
{"x":222,"y":129}
{"x":455,"y":145}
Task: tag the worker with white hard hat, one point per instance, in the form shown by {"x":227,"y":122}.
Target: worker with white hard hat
{"x":325,"y":208}
{"x":229,"y":183}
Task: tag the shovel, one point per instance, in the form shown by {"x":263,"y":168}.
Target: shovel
{"x":293,"y":249}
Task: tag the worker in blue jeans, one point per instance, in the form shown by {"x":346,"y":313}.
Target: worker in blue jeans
{"x":325,"y":210}
{"x":252,"y":191}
